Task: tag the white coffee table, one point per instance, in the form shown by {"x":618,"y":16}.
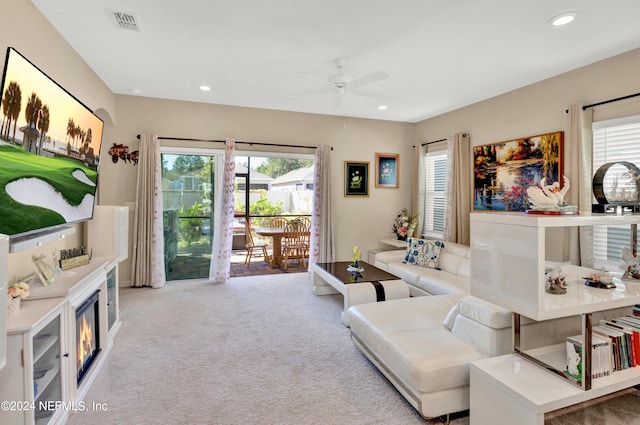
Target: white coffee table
{"x":372,"y":284}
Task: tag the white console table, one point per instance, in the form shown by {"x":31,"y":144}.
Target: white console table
{"x":508,"y":269}
{"x":42,"y":339}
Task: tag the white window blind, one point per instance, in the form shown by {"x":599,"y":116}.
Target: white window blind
{"x":613,"y":141}
{"x":435,"y":193}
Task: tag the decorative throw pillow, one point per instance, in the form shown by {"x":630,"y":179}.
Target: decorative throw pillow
{"x":423,"y":252}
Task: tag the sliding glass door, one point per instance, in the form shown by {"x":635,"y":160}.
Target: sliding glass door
{"x":273,"y":186}
{"x":278,"y":185}
{"x":188,"y":196}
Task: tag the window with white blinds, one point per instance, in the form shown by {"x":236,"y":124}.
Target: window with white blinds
{"x":613,"y":141}
{"x":435,"y":193}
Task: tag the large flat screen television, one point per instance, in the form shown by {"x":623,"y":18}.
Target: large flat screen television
{"x":49,"y":152}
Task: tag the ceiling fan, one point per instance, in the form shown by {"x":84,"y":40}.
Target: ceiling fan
{"x":341,"y":84}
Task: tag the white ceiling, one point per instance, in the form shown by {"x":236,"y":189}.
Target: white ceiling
{"x":439,"y":55}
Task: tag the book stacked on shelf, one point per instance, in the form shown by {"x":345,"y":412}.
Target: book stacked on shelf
{"x":615,"y":347}
{"x":636,"y":310}
{"x":600,"y":357}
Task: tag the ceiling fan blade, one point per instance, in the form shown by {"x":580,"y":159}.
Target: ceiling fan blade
{"x":317,"y":79}
{"x":371,"y":95}
{"x":369,"y":79}
{"x":304,"y":93}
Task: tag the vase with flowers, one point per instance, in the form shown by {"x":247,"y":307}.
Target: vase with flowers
{"x":17,"y":291}
{"x":404,"y":224}
{"x":354,"y":265}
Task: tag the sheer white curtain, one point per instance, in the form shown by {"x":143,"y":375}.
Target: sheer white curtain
{"x":221,"y":245}
{"x":456,"y":224}
{"x":322,"y":248}
{"x":578,"y":150}
{"x":147,"y":258}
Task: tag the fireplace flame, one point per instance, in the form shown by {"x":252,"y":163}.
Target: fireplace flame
{"x":85,"y":341}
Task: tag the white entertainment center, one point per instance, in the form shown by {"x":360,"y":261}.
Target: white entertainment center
{"x":508,"y":269}
{"x":45,"y":377}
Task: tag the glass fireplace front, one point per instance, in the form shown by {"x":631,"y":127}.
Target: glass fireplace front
{"x":87,"y":334}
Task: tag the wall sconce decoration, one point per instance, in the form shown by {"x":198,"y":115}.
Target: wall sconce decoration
{"x":120,"y":151}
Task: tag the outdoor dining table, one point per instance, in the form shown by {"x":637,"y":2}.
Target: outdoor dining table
{"x":276,"y":233}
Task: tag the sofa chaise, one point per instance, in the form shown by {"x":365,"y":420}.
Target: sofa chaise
{"x":424,"y":345}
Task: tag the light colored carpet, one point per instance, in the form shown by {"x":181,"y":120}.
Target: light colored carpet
{"x":259,"y":350}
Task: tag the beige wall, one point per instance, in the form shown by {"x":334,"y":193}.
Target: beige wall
{"x":24,"y":29}
{"x":539,"y":108}
{"x":359,"y":221}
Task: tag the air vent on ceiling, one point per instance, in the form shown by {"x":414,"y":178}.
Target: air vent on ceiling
{"x":126,"y":20}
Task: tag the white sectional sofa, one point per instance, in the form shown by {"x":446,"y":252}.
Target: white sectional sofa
{"x":452,"y":278}
{"x":424,"y":345}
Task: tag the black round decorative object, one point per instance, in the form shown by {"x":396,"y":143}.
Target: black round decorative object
{"x":598,"y":178}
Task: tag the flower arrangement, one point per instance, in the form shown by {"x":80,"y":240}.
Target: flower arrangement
{"x":353,"y":267}
{"x":404,"y":224}
{"x":19,"y":290}
{"x":355,"y":257}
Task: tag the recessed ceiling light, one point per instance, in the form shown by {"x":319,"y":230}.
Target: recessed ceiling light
{"x":563,"y":19}
{"x":136,"y":91}
{"x":205,"y":88}
{"x":382,"y":107}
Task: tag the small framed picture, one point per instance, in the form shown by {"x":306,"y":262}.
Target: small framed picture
{"x":356,"y":178}
{"x":44,"y":271}
{"x":387,"y":168}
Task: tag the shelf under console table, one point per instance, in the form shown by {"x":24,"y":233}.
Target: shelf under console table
{"x":510,"y":390}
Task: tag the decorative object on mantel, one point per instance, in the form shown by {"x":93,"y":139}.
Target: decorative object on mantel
{"x":404,"y":224}
{"x":601,"y":279}
{"x":74,"y":257}
{"x":549,"y":198}
{"x":556,"y":283}
{"x":16,"y":292}
{"x":44,"y":271}
{"x":617,"y":184}
{"x":632,"y":265}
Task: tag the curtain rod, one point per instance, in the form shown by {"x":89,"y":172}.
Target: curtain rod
{"x":441,"y":140}
{"x":604,"y":102}
{"x":245,"y":143}
{"x":434,"y":141}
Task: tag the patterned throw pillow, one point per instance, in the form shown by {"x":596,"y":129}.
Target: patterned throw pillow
{"x":423,"y":252}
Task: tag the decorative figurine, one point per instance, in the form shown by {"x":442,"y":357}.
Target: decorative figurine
{"x":550,"y":197}
{"x":632,"y":266}
{"x":556,"y":283}
{"x":601,"y":279}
